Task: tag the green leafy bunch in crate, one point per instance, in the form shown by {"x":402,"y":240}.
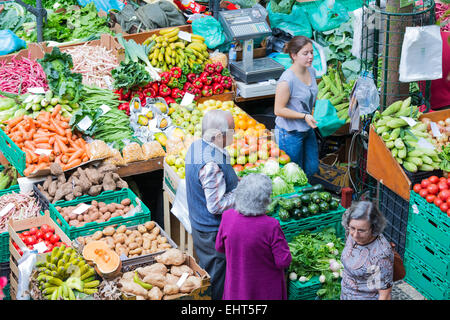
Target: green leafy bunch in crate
{"x":318,"y":254}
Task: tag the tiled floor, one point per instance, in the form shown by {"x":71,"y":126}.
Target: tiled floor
{"x":404,"y":291}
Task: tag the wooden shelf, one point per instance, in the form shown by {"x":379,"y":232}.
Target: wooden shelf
{"x":241,"y":99}
{"x":141,"y":167}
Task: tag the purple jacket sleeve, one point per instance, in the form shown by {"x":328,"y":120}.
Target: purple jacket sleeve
{"x":220,"y":241}
{"x":280,"y":249}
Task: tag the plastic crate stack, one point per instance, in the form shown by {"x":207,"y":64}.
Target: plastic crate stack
{"x":427,"y":256}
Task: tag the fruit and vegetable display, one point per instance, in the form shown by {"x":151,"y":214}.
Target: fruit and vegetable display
{"x":318,"y":255}
{"x":65,"y":275}
{"x":44,"y":234}
{"x":410,"y":143}
{"x":131,"y":242}
{"x":84,"y":181}
{"x":308,"y":202}
{"x":17,"y":206}
{"x":436,"y":191}
{"x":8,"y":177}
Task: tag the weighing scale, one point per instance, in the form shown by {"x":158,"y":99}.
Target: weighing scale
{"x":247,"y":24}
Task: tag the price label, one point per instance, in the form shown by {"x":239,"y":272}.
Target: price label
{"x":6,"y":209}
{"x":435,"y":130}
{"x":82,"y":208}
{"x":411,"y":122}
{"x":38,"y":90}
{"x":85,"y":124}
{"x":40,"y":247}
{"x":185,"y":36}
{"x":43,"y":151}
{"x":105,"y":108}
{"x":187,"y":99}
{"x":182,"y":279}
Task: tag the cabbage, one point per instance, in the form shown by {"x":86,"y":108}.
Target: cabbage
{"x":292,"y":173}
{"x":279,"y":186}
{"x":271,"y":168}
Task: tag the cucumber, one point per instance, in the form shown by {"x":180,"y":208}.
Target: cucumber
{"x":316,"y":187}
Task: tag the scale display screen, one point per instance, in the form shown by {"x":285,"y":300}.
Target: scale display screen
{"x":244,"y":24}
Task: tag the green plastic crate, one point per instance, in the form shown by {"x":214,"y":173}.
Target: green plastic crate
{"x":4,"y":236}
{"x":7,"y":292}
{"x":429,"y":209}
{"x":428,"y":251}
{"x":91,"y":227}
{"x":12,"y":152}
{"x":430,"y":284}
{"x":303,"y":290}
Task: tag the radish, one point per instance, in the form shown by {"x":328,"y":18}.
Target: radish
{"x":302,"y":279}
{"x":322,"y":278}
{"x":292,"y":276}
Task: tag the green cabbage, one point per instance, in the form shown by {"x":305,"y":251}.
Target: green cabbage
{"x":271,"y":168}
{"x":292,"y":173}
{"x":279,"y":186}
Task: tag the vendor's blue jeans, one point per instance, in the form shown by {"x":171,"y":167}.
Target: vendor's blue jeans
{"x":301,"y":147}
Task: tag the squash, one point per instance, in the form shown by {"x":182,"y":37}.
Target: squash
{"x":106,"y":262}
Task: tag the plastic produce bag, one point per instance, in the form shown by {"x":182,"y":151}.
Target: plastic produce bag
{"x":296,"y":23}
{"x":104,"y":5}
{"x":421,"y":57}
{"x":282,"y":6}
{"x":329,"y":15}
{"x":326,"y":116}
{"x":367,"y":95}
{"x":210,"y":29}
{"x":9,"y":42}
{"x":25,"y":265}
{"x":180,"y":206}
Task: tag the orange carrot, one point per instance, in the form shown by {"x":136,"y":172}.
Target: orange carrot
{"x":56,"y":110}
{"x":15,"y":121}
{"x":56,"y":128}
{"x":42,"y":166}
{"x":69,"y":133}
{"x":72,"y":164}
{"x":61,"y":144}
{"x":43,"y":158}
{"x":51,"y":140}
{"x":46,"y":146}
{"x":78,"y":154}
{"x":28,"y":170}
{"x":41,"y":139}
{"x":30,"y":145}
{"x":56,"y":148}
{"x":85,"y":159}
{"x":64,"y":158}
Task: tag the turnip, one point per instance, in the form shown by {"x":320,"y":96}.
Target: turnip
{"x":335,"y":266}
{"x":335,"y":252}
{"x":335,"y":275}
{"x":302,"y":279}
{"x":292,"y":276}
{"x":330,"y":244}
{"x":322,"y":278}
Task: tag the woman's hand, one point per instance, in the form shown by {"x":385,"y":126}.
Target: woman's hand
{"x":311,"y":121}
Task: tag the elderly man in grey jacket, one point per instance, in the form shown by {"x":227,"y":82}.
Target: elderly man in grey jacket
{"x":210,"y":180}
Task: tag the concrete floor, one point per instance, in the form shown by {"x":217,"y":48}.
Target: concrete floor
{"x":404,"y":291}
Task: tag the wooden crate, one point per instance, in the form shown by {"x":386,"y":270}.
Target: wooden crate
{"x":142,"y":36}
{"x":33,"y":51}
{"x":139,"y":167}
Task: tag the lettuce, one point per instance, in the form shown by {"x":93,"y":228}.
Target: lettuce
{"x":292,"y":173}
{"x":279,"y":186}
{"x":271,"y":168}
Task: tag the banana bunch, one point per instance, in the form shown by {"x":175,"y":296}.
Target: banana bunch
{"x":8,"y":177}
{"x":63,"y":272}
{"x":170,"y":50}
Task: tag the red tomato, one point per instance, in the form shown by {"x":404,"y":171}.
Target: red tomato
{"x":58,"y":244}
{"x":50,"y":247}
{"x":30,"y":240}
{"x":444,"y":207}
{"x":425,"y":183}
{"x":448,"y":201}
{"x":433,"y":179}
{"x":423,"y":193}
{"x":442,"y":179}
{"x":21,"y":236}
{"x":40,"y":234}
{"x":448,"y":213}
{"x":46,"y":228}
{"x":430,"y":198}
{"x":442,"y":186}
{"x":444,"y":195}
{"x":55,"y":238}
{"x":433,"y":189}
{"x":438,"y":202}
{"x":33,"y":231}
{"x":48,"y":235}
{"x":30,"y":246}
{"x":448,"y":181}
{"x":417,"y":187}
{"x":26,"y":234}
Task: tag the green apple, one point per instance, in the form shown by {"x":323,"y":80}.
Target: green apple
{"x":241,"y":159}
{"x":179,"y":163}
{"x":181,"y":172}
{"x":170,"y":159}
{"x":253,"y":157}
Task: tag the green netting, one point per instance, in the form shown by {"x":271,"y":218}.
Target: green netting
{"x":350,"y":5}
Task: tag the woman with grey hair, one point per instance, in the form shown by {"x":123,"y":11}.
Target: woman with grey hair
{"x":367,"y":258}
{"x":255,"y":247}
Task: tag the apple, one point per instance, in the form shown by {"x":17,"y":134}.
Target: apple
{"x":238,"y":167}
{"x":232,"y":161}
{"x":170,"y":159}
{"x":249,"y":165}
{"x":179,"y":163}
{"x":284,"y":158}
{"x":181,"y":172}
{"x":253,"y":157}
{"x":241,"y":159}
{"x":263,"y":154}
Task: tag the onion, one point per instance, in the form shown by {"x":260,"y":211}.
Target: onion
{"x":447,"y":122}
{"x":292,"y":276}
{"x":335,"y":266}
{"x":441,"y":123}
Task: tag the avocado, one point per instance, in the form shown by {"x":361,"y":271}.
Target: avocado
{"x":283,"y":214}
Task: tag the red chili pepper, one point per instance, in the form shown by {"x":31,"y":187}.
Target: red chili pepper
{"x":217,"y":88}
{"x":164,"y":90}
{"x":169,"y":100}
{"x":206,"y":78}
{"x":218,"y":67}
{"x":207,"y":91}
{"x":226,"y":82}
{"x":176,"y":72}
{"x":197,"y":83}
{"x":210,"y":68}
{"x":177,"y":93}
{"x":165,"y":77}
{"x":216,"y":77}
{"x":191,"y":77}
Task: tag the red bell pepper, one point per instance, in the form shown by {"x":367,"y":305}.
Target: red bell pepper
{"x":197,"y":83}
{"x":149,"y":92}
{"x":207,"y":91}
{"x":218,"y":67}
{"x":217,"y":88}
{"x":210,"y":68}
{"x":124,"y":107}
{"x":206,"y":78}
{"x":177,"y":93}
{"x":176,"y":72}
{"x":197,"y":93}
{"x":188,"y":87}
{"x":226,"y":82}
{"x":164,"y":90}
{"x":216,"y":77}
{"x":169,"y":100}
{"x":191,"y":77}
{"x":165,"y":77}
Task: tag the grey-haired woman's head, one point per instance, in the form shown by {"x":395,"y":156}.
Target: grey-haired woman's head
{"x":253,"y":194}
{"x":363,"y":220}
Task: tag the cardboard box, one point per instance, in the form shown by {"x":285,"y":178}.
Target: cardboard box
{"x":33,"y":51}
{"x":142,"y":36}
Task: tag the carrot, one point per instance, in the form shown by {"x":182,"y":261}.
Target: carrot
{"x":30,"y":145}
{"x":56,"y":110}
{"x":34,"y":157}
{"x":71,"y":150}
{"x":42,"y":166}
{"x":56,"y":128}
{"x":78,"y":154}
{"x":27,"y":157}
{"x":44,"y":125}
{"x":64,"y":158}
{"x":43,"y":158}
{"x":85,"y":159}
{"x":56,"y":148}
{"x":51,"y":140}
{"x":46,"y":146}
{"x":15,"y":121}
{"x":28,"y":170}
{"x":72,"y":164}
{"x":69,"y":133}
{"x":61,"y":144}
{"x":87,"y":148}
{"x":40,"y":139}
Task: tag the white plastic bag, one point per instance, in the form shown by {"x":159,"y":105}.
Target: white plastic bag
{"x":366,"y":94}
{"x":180,"y":206}
{"x":25,"y":265}
{"x":421,"y":57}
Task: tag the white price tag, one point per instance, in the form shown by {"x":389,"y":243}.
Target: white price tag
{"x":43,"y":151}
{"x":82,"y":208}
{"x":85,"y":123}
{"x":182,"y":279}
{"x":411,"y":122}
{"x":40,"y":247}
{"x":6,"y":209}
{"x":422,"y":143}
{"x":105,"y":108}
{"x":435,"y":130}
{"x":38,"y":90}
{"x":187,"y":99}
{"x":185,"y":36}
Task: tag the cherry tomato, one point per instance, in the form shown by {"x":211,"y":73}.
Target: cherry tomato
{"x":425,"y":183}
{"x":26,"y":234}
{"x":433,"y":179}
{"x":40,"y":234}
{"x":21,"y":236}
{"x":423,"y":193}
{"x":430,"y":198}
{"x":444,"y":207}
{"x":55,"y":238}
{"x":438,"y":201}
{"x":442,"y":186}
{"x":33,"y":231}
{"x":417,"y":187}
{"x":48,"y":235}
{"x":433,"y":189}
{"x":444,"y":195}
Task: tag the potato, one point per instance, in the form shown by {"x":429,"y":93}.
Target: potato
{"x":129,"y":240}
{"x":72,"y":216}
{"x":80,"y":217}
{"x":86,"y":218}
{"x":137,"y":251}
{"x":94,"y":216}
{"x":149,"y":225}
{"x":161,"y":240}
{"x":122,"y":250}
{"x":164,"y":246}
{"x":101,"y":204}
{"x":128,"y":232}
{"x":171,"y":257}
{"x":155,"y":294}
{"x":133,"y":246}
{"x":108,"y":231}
{"x":82,"y":223}
{"x":101,"y":220}
{"x":110,"y":243}
{"x":81,"y":240}
{"x":103,"y":209}
{"x":67,"y":219}
{"x":97,"y":235}
{"x":136,"y":233}
{"x":146,"y":251}
{"x":155,"y":279}
{"x":119,"y":238}
{"x":119,"y":213}
{"x":138,"y":297}
{"x":125,"y":202}
{"x":114,"y":214}
{"x":156,"y":230}
{"x":142,"y":229}
{"x":119,"y":206}
{"x":106,"y":216}
{"x":121,"y":229}
{"x":94,"y":203}
{"x":139,"y":241}
{"x":126,"y":209}
{"x":111,"y":207}
{"x":146,"y":244}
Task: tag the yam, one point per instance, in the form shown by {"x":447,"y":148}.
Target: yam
{"x":61,"y":178}
{"x":121,"y":184}
{"x":155,"y":279}
{"x":106,"y":168}
{"x":46,"y":183}
{"x":52,"y":188}
{"x":77,"y":191}
{"x":179,"y":270}
{"x":55,"y":169}
{"x":93,"y":175}
{"x":155,"y":294}
{"x":171,"y":257}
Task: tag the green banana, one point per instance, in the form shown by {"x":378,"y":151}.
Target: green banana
{"x":92,"y":284}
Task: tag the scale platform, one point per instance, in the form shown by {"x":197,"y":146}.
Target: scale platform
{"x":258,"y":89}
{"x":261,"y":69}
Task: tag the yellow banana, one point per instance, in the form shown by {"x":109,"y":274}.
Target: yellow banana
{"x":168,"y":30}
{"x":160,"y":57}
{"x":172,"y":39}
{"x":197,"y":37}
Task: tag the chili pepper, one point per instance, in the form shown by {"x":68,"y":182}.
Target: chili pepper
{"x":225,"y":72}
{"x":197,"y":83}
{"x":198,"y":94}
{"x":191,"y":77}
{"x":182,"y":79}
{"x":164,"y":90}
{"x":218,"y":67}
{"x":169,"y":100}
{"x":207,"y":91}
{"x":206,"y":78}
{"x":176,"y":72}
{"x":173,"y":83}
{"x":197,"y":68}
{"x":217,"y":88}
{"x":210,"y":68}
{"x":226,"y":82}
{"x":216,"y":77}
{"x":165,"y":77}
{"x":185,"y":69}
{"x":176,"y":93}
{"x":189,"y":87}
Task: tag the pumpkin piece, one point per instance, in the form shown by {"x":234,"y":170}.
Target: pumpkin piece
{"x":107,"y":262}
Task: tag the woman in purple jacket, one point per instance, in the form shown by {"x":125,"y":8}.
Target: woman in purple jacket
{"x":255,"y":247}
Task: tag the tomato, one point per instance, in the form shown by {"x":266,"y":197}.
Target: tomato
{"x":433,"y":179}
{"x":26,"y":234}
{"x":444,"y":195}
{"x":46,"y":228}
{"x":423,"y":193}
{"x":58,"y":244}
{"x":33,"y":231}
{"x":442,"y":186}
{"x":30,"y":246}
{"x":417,"y":187}
{"x":442,"y":179}
{"x":48,"y":235}
{"x":448,"y":213}
{"x":30,"y":240}
{"x":55,"y":238}
{"x":49,"y":247}
{"x":40,"y":234}
{"x":448,"y":181}
{"x":430,"y":198}
{"x":433,"y":189}
{"x":438,"y":201}
{"x":21,"y":236}
{"x":444,"y":207}
{"x":425,"y":183}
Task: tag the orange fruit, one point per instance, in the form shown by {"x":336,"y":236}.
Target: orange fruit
{"x":260,"y":126}
{"x":251,"y":123}
{"x":242,"y":124}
